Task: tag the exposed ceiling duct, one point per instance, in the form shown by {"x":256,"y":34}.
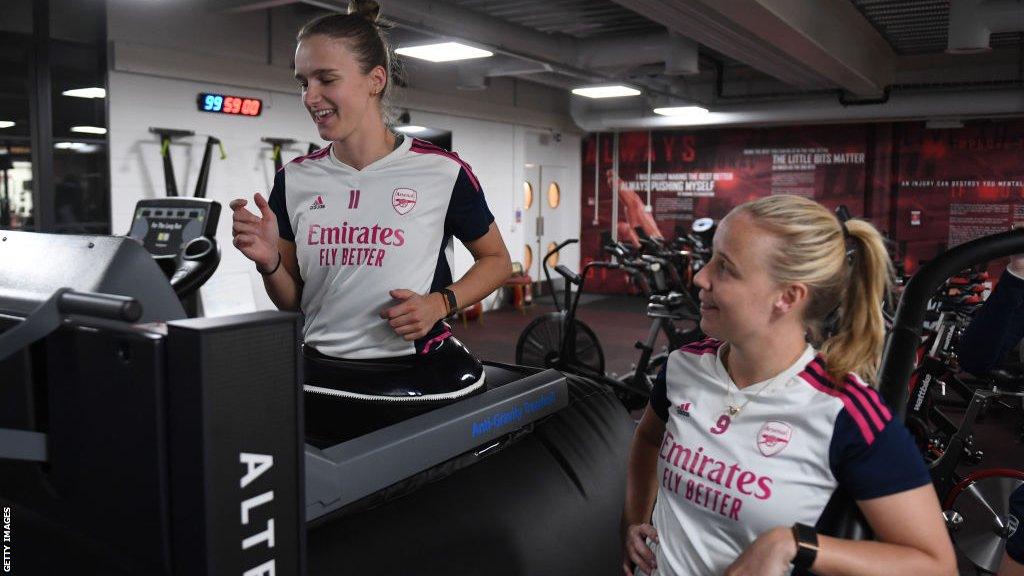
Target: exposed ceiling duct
{"x":588,"y":61}
{"x":775,"y":61}
{"x":679,"y":53}
{"x":816,"y":110}
{"x":972,"y":22}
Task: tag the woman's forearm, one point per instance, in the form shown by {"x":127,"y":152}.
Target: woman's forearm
{"x":641,"y":483}
{"x":838,"y":557}
{"x":283,"y":290}
{"x":486,"y":275}
{"x":283,"y":286}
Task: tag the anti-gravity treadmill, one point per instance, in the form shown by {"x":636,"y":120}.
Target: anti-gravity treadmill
{"x":136,"y":441}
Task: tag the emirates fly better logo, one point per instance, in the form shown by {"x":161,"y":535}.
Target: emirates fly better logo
{"x":403,"y":200}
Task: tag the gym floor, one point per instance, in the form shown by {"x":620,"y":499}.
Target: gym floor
{"x":619,"y":321}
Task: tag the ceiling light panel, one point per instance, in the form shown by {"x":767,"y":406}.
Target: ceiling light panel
{"x":606,"y":91}
{"x":444,"y":52}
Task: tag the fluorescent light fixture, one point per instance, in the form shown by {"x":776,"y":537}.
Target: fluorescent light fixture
{"x":86,"y":93}
{"x":411,"y":129}
{"x":89,"y":129}
{"x":606,"y":91}
{"x":689,"y":111}
{"x":6,"y":123}
{"x":66,"y":145}
{"x":444,"y":52}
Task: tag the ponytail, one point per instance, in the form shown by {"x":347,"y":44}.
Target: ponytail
{"x":857,"y":343}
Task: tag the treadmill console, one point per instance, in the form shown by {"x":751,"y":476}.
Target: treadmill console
{"x":165,"y":225}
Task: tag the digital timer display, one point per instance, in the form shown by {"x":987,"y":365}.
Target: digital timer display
{"x":235,"y":105}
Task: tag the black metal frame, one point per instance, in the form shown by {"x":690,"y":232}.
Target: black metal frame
{"x":44,"y":213}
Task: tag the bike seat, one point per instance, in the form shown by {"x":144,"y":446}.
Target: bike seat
{"x":1005,"y":380}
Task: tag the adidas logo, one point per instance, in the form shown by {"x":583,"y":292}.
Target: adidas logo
{"x":318,"y":204}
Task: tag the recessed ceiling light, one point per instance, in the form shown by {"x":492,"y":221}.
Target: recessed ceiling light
{"x":89,"y":129}
{"x":605,"y":91}
{"x":444,"y":52}
{"x":86,"y":93}
{"x":6,"y":123}
{"x":411,"y":129}
{"x":693,"y":112}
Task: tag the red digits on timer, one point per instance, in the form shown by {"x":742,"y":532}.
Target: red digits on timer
{"x":250,"y":107}
{"x":232,"y":105}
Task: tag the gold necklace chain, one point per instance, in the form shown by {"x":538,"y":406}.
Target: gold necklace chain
{"x":734,"y":410}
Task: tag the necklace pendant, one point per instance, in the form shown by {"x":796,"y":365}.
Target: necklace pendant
{"x":733,"y":410}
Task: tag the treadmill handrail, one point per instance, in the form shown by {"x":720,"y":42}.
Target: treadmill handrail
{"x":42,"y":321}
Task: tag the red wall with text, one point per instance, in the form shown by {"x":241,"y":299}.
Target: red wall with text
{"x":927,"y":190}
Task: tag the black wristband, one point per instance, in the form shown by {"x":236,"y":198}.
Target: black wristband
{"x":806,"y":546}
{"x":449,"y":298}
{"x":275,"y":267}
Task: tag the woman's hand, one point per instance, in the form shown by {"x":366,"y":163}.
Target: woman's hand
{"x":255,"y":236}
{"x":636,"y":552}
{"x":769,"y":555}
{"x":416,"y":314}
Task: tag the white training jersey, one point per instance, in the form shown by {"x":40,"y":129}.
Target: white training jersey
{"x":360,"y":233}
{"x":723,"y":481}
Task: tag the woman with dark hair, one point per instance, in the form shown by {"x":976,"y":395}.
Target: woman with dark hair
{"x":358,"y":237}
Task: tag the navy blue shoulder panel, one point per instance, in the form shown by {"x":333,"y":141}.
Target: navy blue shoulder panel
{"x":280,"y":208}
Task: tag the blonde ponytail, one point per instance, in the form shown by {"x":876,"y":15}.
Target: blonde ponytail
{"x":847,"y":274}
{"x":856,"y":345}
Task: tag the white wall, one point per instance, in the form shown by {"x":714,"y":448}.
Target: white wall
{"x":163,"y":55}
{"x":562,"y":151}
{"x":138,"y":102}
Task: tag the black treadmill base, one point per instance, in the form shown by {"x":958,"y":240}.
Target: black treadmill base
{"x":547,"y":504}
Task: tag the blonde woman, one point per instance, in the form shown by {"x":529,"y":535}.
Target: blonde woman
{"x":750,"y":432}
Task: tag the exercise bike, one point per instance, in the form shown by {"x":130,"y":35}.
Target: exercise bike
{"x":975,"y":505}
{"x":561,"y":341}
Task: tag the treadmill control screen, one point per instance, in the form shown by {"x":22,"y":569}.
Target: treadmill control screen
{"x":164,"y":231}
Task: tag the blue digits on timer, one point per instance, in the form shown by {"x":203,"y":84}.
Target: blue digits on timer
{"x":213,"y":103}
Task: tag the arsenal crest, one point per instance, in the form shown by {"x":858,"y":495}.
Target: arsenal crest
{"x":403,"y":200}
{"x":773,"y":437}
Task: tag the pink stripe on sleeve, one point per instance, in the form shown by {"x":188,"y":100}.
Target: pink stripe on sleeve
{"x":851,"y":408}
{"x":424,"y":147}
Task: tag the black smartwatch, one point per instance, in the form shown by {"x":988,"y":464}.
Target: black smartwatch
{"x":806,"y":546}
{"x":453,"y":305}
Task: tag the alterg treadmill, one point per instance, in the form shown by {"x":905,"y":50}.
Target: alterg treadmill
{"x":177,"y":449}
